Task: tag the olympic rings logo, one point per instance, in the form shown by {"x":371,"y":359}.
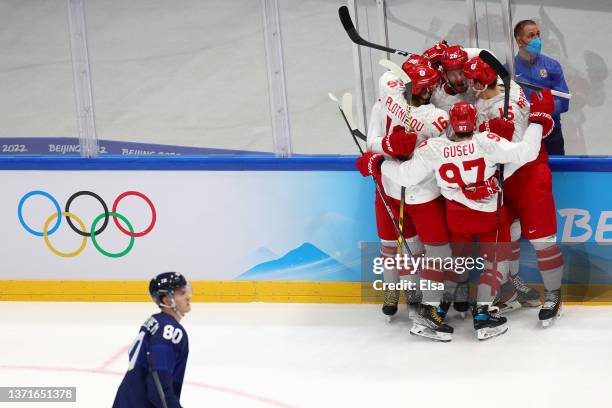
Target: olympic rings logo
{"x":47,"y":230}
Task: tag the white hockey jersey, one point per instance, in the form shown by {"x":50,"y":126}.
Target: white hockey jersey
{"x":426,"y":121}
{"x":518,"y":113}
{"x":442,"y":100}
{"x":457,"y":164}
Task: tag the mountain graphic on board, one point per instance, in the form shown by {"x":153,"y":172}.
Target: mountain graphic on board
{"x":261,"y":255}
{"x":305,"y":263}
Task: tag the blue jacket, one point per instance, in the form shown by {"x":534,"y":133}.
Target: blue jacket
{"x":547,"y":72}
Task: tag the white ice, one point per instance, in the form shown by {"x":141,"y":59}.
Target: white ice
{"x":313,"y":355}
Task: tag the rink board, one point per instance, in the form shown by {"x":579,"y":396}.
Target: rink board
{"x":242,"y":229}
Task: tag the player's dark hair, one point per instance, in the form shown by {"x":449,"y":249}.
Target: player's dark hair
{"x":406,"y":95}
{"x":518,"y":28}
{"x":414,"y":99}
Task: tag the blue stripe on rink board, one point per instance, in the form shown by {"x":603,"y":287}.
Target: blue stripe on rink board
{"x":245,"y":163}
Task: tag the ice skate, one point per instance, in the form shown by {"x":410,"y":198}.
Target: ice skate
{"x":462,"y":298}
{"x":488,"y":323}
{"x":527,"y":296}
{"x":389,"y":308}
{"x":445,"y":305}
{"x":507,"y":298}
{"x":551,"y":310}
{"x":413,"y":302}
{"x":428,"y":323}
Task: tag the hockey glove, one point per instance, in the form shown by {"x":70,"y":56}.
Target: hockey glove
{"x":369,"y":163}
{"x":448,"y":89}
{"x":434,"y":54}
{"x":482,"y":190}
{"x":501,"y":127}
{"x":399,"y":143}
{"x":541,"y":111}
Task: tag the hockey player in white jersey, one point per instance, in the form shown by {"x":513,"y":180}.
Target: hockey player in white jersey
{"x":394,"y":126}
{"x":533,"y":213}
{"x":387,"y":135}
{"x":462,"y":161}
{"x":454,"y":87}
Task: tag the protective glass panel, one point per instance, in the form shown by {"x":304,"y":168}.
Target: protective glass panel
{"x":183,"y":74}
{"x":37,"y":107}
{"x":490,"y":30}
{"x":318,"y":60}
{"x":437,"y":20}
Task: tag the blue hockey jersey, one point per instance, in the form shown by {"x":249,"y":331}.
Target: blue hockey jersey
{"x":166,"y":340}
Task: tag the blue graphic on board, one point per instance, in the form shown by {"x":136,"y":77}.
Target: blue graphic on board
{"x":261,"y":255}
{"x":305,"y":263}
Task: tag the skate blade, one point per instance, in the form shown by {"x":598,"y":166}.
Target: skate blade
{"x":389,"y":318}
{"x":509,"y":307}
{"x":418,"y":330}
{"x":551,"y":321}
{"x":488,"y":333}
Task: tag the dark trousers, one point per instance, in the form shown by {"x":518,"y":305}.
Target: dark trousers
{"x":554,"y":143}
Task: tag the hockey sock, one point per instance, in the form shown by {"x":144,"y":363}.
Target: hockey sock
{"x":388,"y":249}
{"x":433,"y":270}
{"x":490,"y":281}
{"x":515,"y":245}
{"x":550,"y":261}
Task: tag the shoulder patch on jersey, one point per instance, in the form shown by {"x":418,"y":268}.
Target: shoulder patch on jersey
{"x":151,"y":325}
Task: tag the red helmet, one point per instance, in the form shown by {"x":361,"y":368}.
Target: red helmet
{"x":478,"y":70}
{"x":453,"y":58}
{"x":463,"y":117}
{"x":423,"y":77}
{"x":412,"y":61}
{"x":434,"y":54}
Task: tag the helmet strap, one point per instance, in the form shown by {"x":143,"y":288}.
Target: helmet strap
{"x":171,"y":306}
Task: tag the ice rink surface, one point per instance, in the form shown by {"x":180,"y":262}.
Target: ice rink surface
{"x":312,"y":355}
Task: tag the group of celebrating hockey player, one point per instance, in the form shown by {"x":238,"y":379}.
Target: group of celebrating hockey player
{"x":443,"y":153}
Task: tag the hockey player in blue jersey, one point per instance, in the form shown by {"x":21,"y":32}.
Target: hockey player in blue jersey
{"x":163,"y":337}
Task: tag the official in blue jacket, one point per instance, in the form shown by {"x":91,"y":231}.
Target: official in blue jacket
{"x":533,"y":67}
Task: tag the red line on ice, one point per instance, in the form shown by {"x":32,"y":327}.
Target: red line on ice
{"x":101,"y":370}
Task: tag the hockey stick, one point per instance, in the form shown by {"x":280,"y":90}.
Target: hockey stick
{"x":348,"y":116}
{"x":345,"y":107}
{"x":538,"y":88}
{"x":401,"y":74}
{"x":497,"y":66}
{"x":349,"y":27}
{"x":155,"y":376}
